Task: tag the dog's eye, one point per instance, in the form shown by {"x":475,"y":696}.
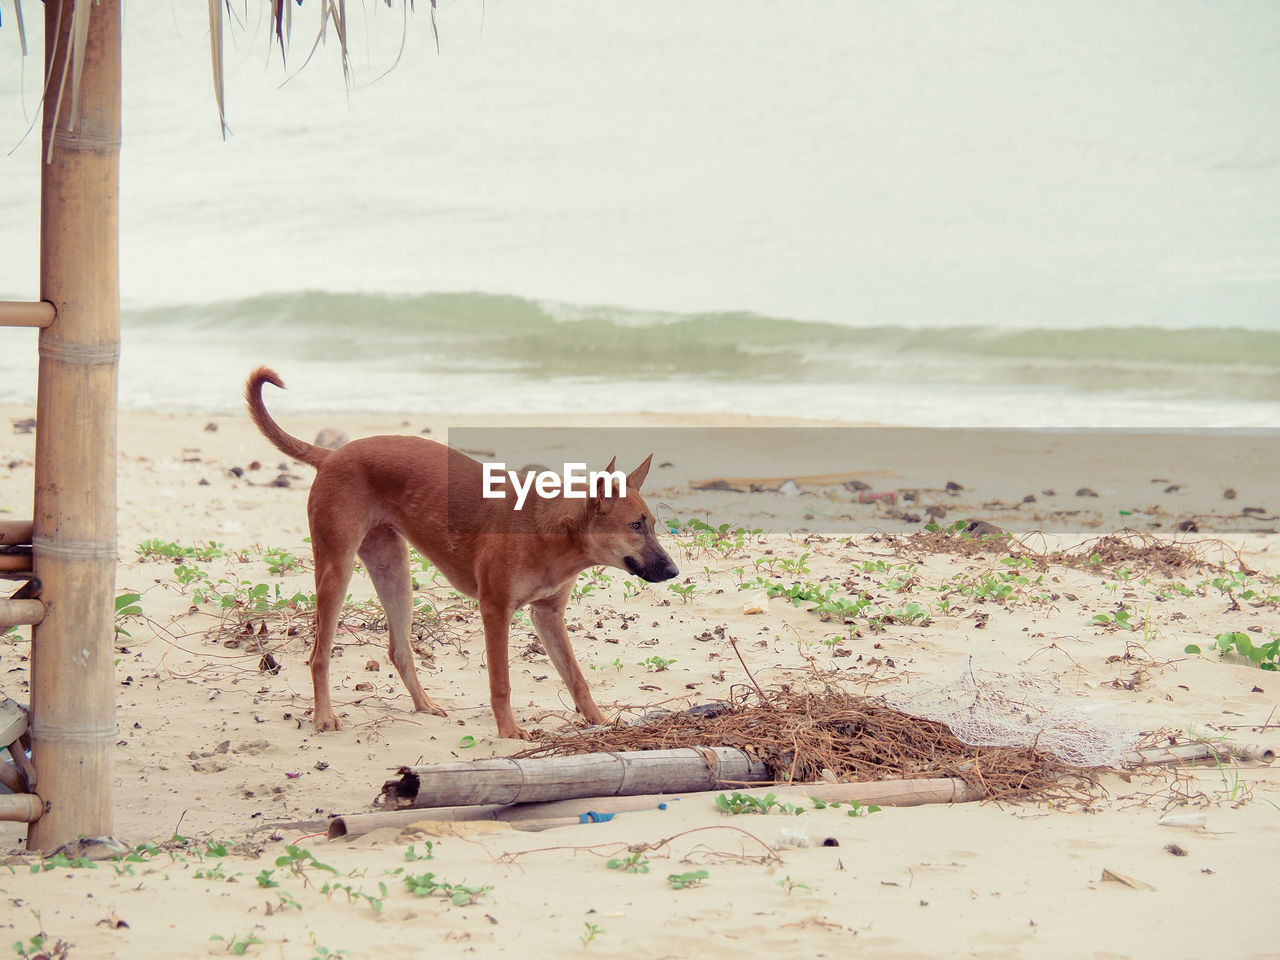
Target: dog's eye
{"x":638,"y":526}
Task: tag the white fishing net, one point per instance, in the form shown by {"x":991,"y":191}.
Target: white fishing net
{"x":989,"y":708}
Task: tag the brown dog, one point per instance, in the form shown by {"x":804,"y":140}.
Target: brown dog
{"x":372,"y":495}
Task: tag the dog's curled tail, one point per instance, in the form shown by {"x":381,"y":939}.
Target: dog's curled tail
{"x":286,"y":444}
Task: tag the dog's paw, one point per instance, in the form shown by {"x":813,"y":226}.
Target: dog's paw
{"x":514,"y":732}
{"x":327,"y":723}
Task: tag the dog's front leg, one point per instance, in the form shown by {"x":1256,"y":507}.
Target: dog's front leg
{"x":548,"y":620}
{"x":497,"y":622}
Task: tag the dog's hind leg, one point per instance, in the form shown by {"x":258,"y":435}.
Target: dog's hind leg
{"x":386,"y":556}
{"x":333,"y":573}
{"x":548,"y":620}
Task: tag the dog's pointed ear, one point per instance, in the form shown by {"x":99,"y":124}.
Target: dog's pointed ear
{"x":636,"y":477}
{"x":603,"y":503}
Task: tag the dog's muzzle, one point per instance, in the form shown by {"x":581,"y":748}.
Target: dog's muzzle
{"x":660,"y":568}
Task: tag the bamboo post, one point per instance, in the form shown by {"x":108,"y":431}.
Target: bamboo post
{"x":74,"y":535}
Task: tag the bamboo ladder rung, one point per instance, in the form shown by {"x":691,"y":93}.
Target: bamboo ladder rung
{"x":15,"y":533}
{"x":22,"y":807}
{"x":17,"y":561}
{"x":26,"y":313}
{"x":21,"y":613}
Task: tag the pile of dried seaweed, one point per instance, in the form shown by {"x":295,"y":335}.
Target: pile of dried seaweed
{"x":814,"y":736}
{"x":1138,"y":552}
{"x":1132,"y":549}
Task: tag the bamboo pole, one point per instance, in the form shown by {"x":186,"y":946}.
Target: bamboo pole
{"x":18,"y":313}
{"x":504,"y":781}
{"x":18,"y":561}
{"x":1190,"y":752}
{"x":15,"y":533}
{"x":72,"y":704}
{"x":17,"y":613}
{"x":22,"y":807}
{"x":556,"y":813}
{"x":10,"y":777}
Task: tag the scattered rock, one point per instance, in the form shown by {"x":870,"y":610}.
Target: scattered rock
{"x":255,"y":465}
{"x":212,"y":765}
{"x":757,"y":604}
{"x":1229,"y":493}
{"x":867,"y":496}
{"x":855,"y":485}
{"x":978,"y":529}
{"x":24,"y":426}
{"x":365,"y":687}
{"x":236,"y":472}
{"x":953,"y":487}
{"x":789,"y":488}
{"x":268,"y":664}
{"x":665,"y":464}
{"x":281,"y":481}
{"x":1254,"y":512}
{"x":1029,"y":498}
{"x":1173,"y":488}
{"x":1188,"y":526}
{"x":331,"y":438}
{"x":1131,"y":882}
{"x":717,"y":485}
{"x":372,"y":666}
{"x":210,"y":427}
{"x":1049,"y":492}
{"x":1085,"y":492}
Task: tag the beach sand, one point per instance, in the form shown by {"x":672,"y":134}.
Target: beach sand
{"x":216,"y":749}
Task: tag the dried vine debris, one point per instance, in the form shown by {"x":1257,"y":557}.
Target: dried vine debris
{"x":813,"y":736}
{"x":1137,"y":551}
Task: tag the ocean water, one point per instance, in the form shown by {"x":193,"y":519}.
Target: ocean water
{"x":1064,"y":213}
